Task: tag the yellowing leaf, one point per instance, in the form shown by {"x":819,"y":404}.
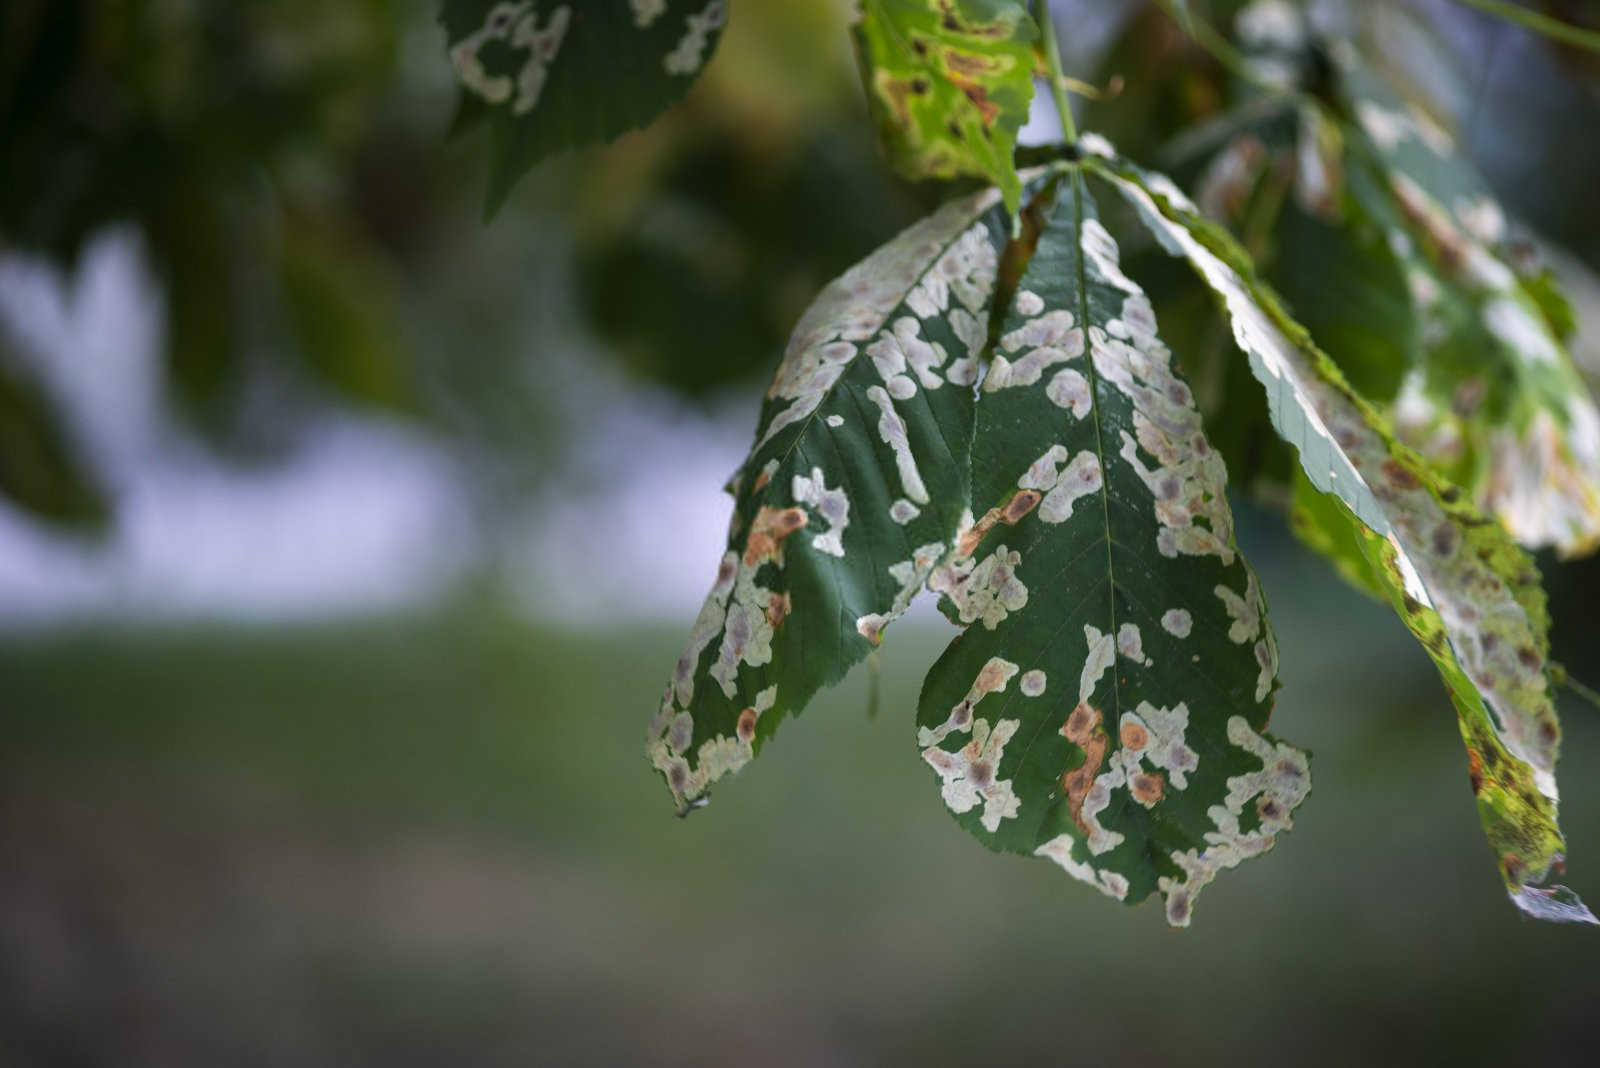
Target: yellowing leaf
{"x":949,"y":82}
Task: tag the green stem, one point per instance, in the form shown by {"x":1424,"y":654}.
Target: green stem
{"x":1533,"y":20}
{"x":1558,"y":675}
{"x":1058,"y":80}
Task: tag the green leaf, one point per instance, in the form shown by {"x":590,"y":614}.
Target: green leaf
{"x":949,"y":83}
{"x":558,"y":75}
{"x":38,"y":469}
{"x":850,"y":498}
{"x":1496,"y":401}
{"x":1464,"y":589}
{"x":1322,"y":525}
{"x":340,"y":316}
{"x":1104,"y":706}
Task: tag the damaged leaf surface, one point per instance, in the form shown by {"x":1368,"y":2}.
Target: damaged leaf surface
{"x":949,"y":83}
{"x":850,"y":497}
{"x":1495,"y":401}
{"x":1104,"y":706}
{"x":1462,"y":587}
{"x":1392,"y":251}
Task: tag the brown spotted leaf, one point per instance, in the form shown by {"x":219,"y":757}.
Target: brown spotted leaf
{"x":1467,"y":592}
{"x":949,"y":82}
{"x":1104,"y":707}
{"x":850,"y":497}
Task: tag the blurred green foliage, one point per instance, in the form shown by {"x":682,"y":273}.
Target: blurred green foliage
{"x":199,"y":124}
{"x":38,"y":467}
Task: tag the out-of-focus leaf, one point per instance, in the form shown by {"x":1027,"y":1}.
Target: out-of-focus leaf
{"x":1167,"y":85}
{"x":850,"y":498}
{"x":189,"y":241}
{"x":949,"y":82}
{"x":712,"y":268}
{"x":192,"y":126}
{"x":341,"y":322}
{"x":1464,"y":589}
{"x":1324,"y":527}
{"x":1496,"y":400}
{"x":1390,"y":250}
{"x":1103,"y":706}
{"x":557,"y":75}
{"x":38,"y":469}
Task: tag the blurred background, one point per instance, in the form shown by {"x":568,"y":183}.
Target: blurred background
{"x":346,"y":541}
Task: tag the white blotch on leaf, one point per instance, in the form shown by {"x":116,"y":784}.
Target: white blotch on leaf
{"x":854,"y":307}
{"x":647,"y":11}
{"x":987,"y":591}
{"x":1277,"y":789}
{"x":518,"y":25}
{"x":1059,"y":849}
{"x":893,"y":431}
{"x":1130,"y":643}
{"x":1050,"y":339}
{"x":689,"y":53}
{"x":969,"y":774}
{"x":1080,"y":477}
{"x":1102,"y":654}
{"x":831,"y":504}
{"x":1070,"y":390}
{"x":992,"y":678}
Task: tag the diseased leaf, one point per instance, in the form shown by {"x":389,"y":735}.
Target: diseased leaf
{"x":850,"y":497}
{"x":557,"y":75}
{"x":1389,"y":248}
{"x":1319,"y":522}
{"x":1457,"y":580}
{"x":1104,"y":706}
{"x":949,"y":82}
{"x":1496,"y":400}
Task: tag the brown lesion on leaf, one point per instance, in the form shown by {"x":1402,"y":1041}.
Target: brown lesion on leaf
{"x":894,"y":92}
{"x":1020,"y":505}
{"x":1398,"y":475}
{"x":1133,"y":735}
{"x":1082,"y":729}
{"x":968,"y":543}
{"x":954,"y":23}
{"x":988,"y":110}
{"x":767,"y":531}
{"x":969,"y":65}
{"x":778,"y":607}
{"x":1147,"y":789}
{"x":1475,"y":771}
{"x":1549,"y":733}
{"x":746,"y":726}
